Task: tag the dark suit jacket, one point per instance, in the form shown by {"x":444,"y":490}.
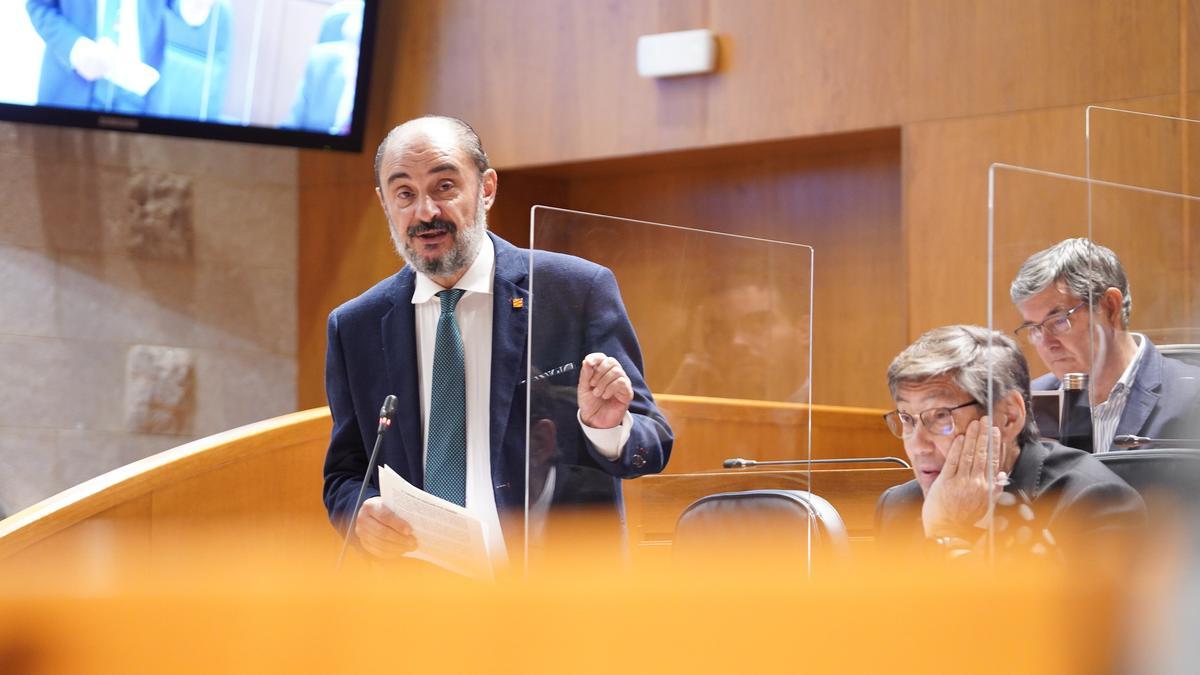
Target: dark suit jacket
{"x":1164,"y":401}
{"x":372,"y":352}
{"x":61,"y":22}
{"x":1065,"y":485}
{"x":320,"y":91}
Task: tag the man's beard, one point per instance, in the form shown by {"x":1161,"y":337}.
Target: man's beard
{"x":461,"y":254}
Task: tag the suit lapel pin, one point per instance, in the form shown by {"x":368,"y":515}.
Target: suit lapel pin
{"x":518,"y":303}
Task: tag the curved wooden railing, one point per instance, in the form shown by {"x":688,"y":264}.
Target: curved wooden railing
{"x":263,"y":477}
{"x":710,"y":430}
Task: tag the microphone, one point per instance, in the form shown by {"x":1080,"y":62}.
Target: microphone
{"x":740,"y":463}
{"x":385,"y":422}
{"x":1127,"y":441}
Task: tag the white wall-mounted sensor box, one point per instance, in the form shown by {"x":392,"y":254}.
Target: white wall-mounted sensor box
{"x":687,"y":52}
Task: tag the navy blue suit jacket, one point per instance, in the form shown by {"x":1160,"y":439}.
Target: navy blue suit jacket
{"x":1164,"y":401}
{"x":372,"y":352}
{"x":61,"y":22}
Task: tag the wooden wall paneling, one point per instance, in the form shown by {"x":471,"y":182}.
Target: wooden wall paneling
{"x":1189,"y":31}
{"x":422,"y":57}
{"x":844,"y":204}
{"x":574,"y":93}
{"x":945,"y":203}
{"x":973,"y":58}
{"x":806,"y":67}
{"x":1136,"y":149}
{"x":344,"y":250}
{"x":1190,"y":248}
{"x":518,"y":192}
{"x":1150,"y":233}
{"x":541,"y":81}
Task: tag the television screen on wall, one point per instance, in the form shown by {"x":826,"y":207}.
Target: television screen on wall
{"x":283,"y":72}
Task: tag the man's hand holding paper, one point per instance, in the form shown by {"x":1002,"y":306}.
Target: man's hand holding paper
{"x":381,"y":532}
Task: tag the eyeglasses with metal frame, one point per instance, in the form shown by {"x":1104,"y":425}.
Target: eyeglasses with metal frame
{"x":938,"y":421}
{"x":1055,"y":324}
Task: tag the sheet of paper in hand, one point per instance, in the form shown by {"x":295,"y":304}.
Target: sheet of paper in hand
{"x":447,"y":534}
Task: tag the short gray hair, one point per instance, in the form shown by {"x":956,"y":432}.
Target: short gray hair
{"x":1087,"y":268}
{"x":467,"y":137}
{"x":963,"y":353}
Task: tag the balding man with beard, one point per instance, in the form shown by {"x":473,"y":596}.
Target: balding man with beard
{"x":447,"y":335}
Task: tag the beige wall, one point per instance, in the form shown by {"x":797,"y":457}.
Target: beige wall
{"x":80,"y":295}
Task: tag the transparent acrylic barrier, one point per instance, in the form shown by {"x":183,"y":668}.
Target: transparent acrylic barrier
{"x":1070,"y":308}
{"x":1140,"y":149}
{"x":1159,"y":153}
{"x":716,"y":326}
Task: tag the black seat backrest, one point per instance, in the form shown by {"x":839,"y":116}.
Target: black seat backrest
{"x":746,"y":524}
{"x":1189,"y":354}
{"x":1173,"y":472}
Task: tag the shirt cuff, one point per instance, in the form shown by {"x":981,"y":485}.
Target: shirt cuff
{"x":608,"y":442}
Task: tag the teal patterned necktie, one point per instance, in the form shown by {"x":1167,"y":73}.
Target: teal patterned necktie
{"x":446,"y":448}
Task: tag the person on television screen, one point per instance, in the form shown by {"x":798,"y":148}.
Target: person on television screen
{"x":324,"y":100}
{"x":1075,"y":300}
{"x":450,"y":336}
{"x":1048,"y":499}
{"x":100,"y":54}
{"x":195,"y":71}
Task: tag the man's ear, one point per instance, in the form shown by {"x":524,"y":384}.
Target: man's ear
{"x":1112,"y":302}
{"x":1010,"y":415}
{"x":488,"y":183}
{"x":379,"y":194}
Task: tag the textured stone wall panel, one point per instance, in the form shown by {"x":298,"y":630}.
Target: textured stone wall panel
{"x":160,"y":216}
{"x":160,"y":385}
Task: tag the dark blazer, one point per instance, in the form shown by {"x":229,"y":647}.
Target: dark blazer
{"x":1164,"y":401}
{"x":61,"y":22}
{"x":372,"y":352}
{"x":320,"y":91}
{"x":1064,"y":485}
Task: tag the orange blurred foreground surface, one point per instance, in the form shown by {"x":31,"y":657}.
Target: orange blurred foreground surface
{"x":223,"y":604}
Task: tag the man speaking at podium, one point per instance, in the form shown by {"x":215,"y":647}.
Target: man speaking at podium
{"x":447,"y":336}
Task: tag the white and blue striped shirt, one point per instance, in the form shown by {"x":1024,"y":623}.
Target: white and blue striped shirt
{"x":1106,"y":416}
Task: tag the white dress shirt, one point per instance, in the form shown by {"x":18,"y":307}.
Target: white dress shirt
{"x":474,"y":316}
{"x":1106,"y":416}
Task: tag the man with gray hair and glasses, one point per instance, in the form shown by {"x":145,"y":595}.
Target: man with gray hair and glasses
{"x":1075,"y":302}
{"x":941,"y":387}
